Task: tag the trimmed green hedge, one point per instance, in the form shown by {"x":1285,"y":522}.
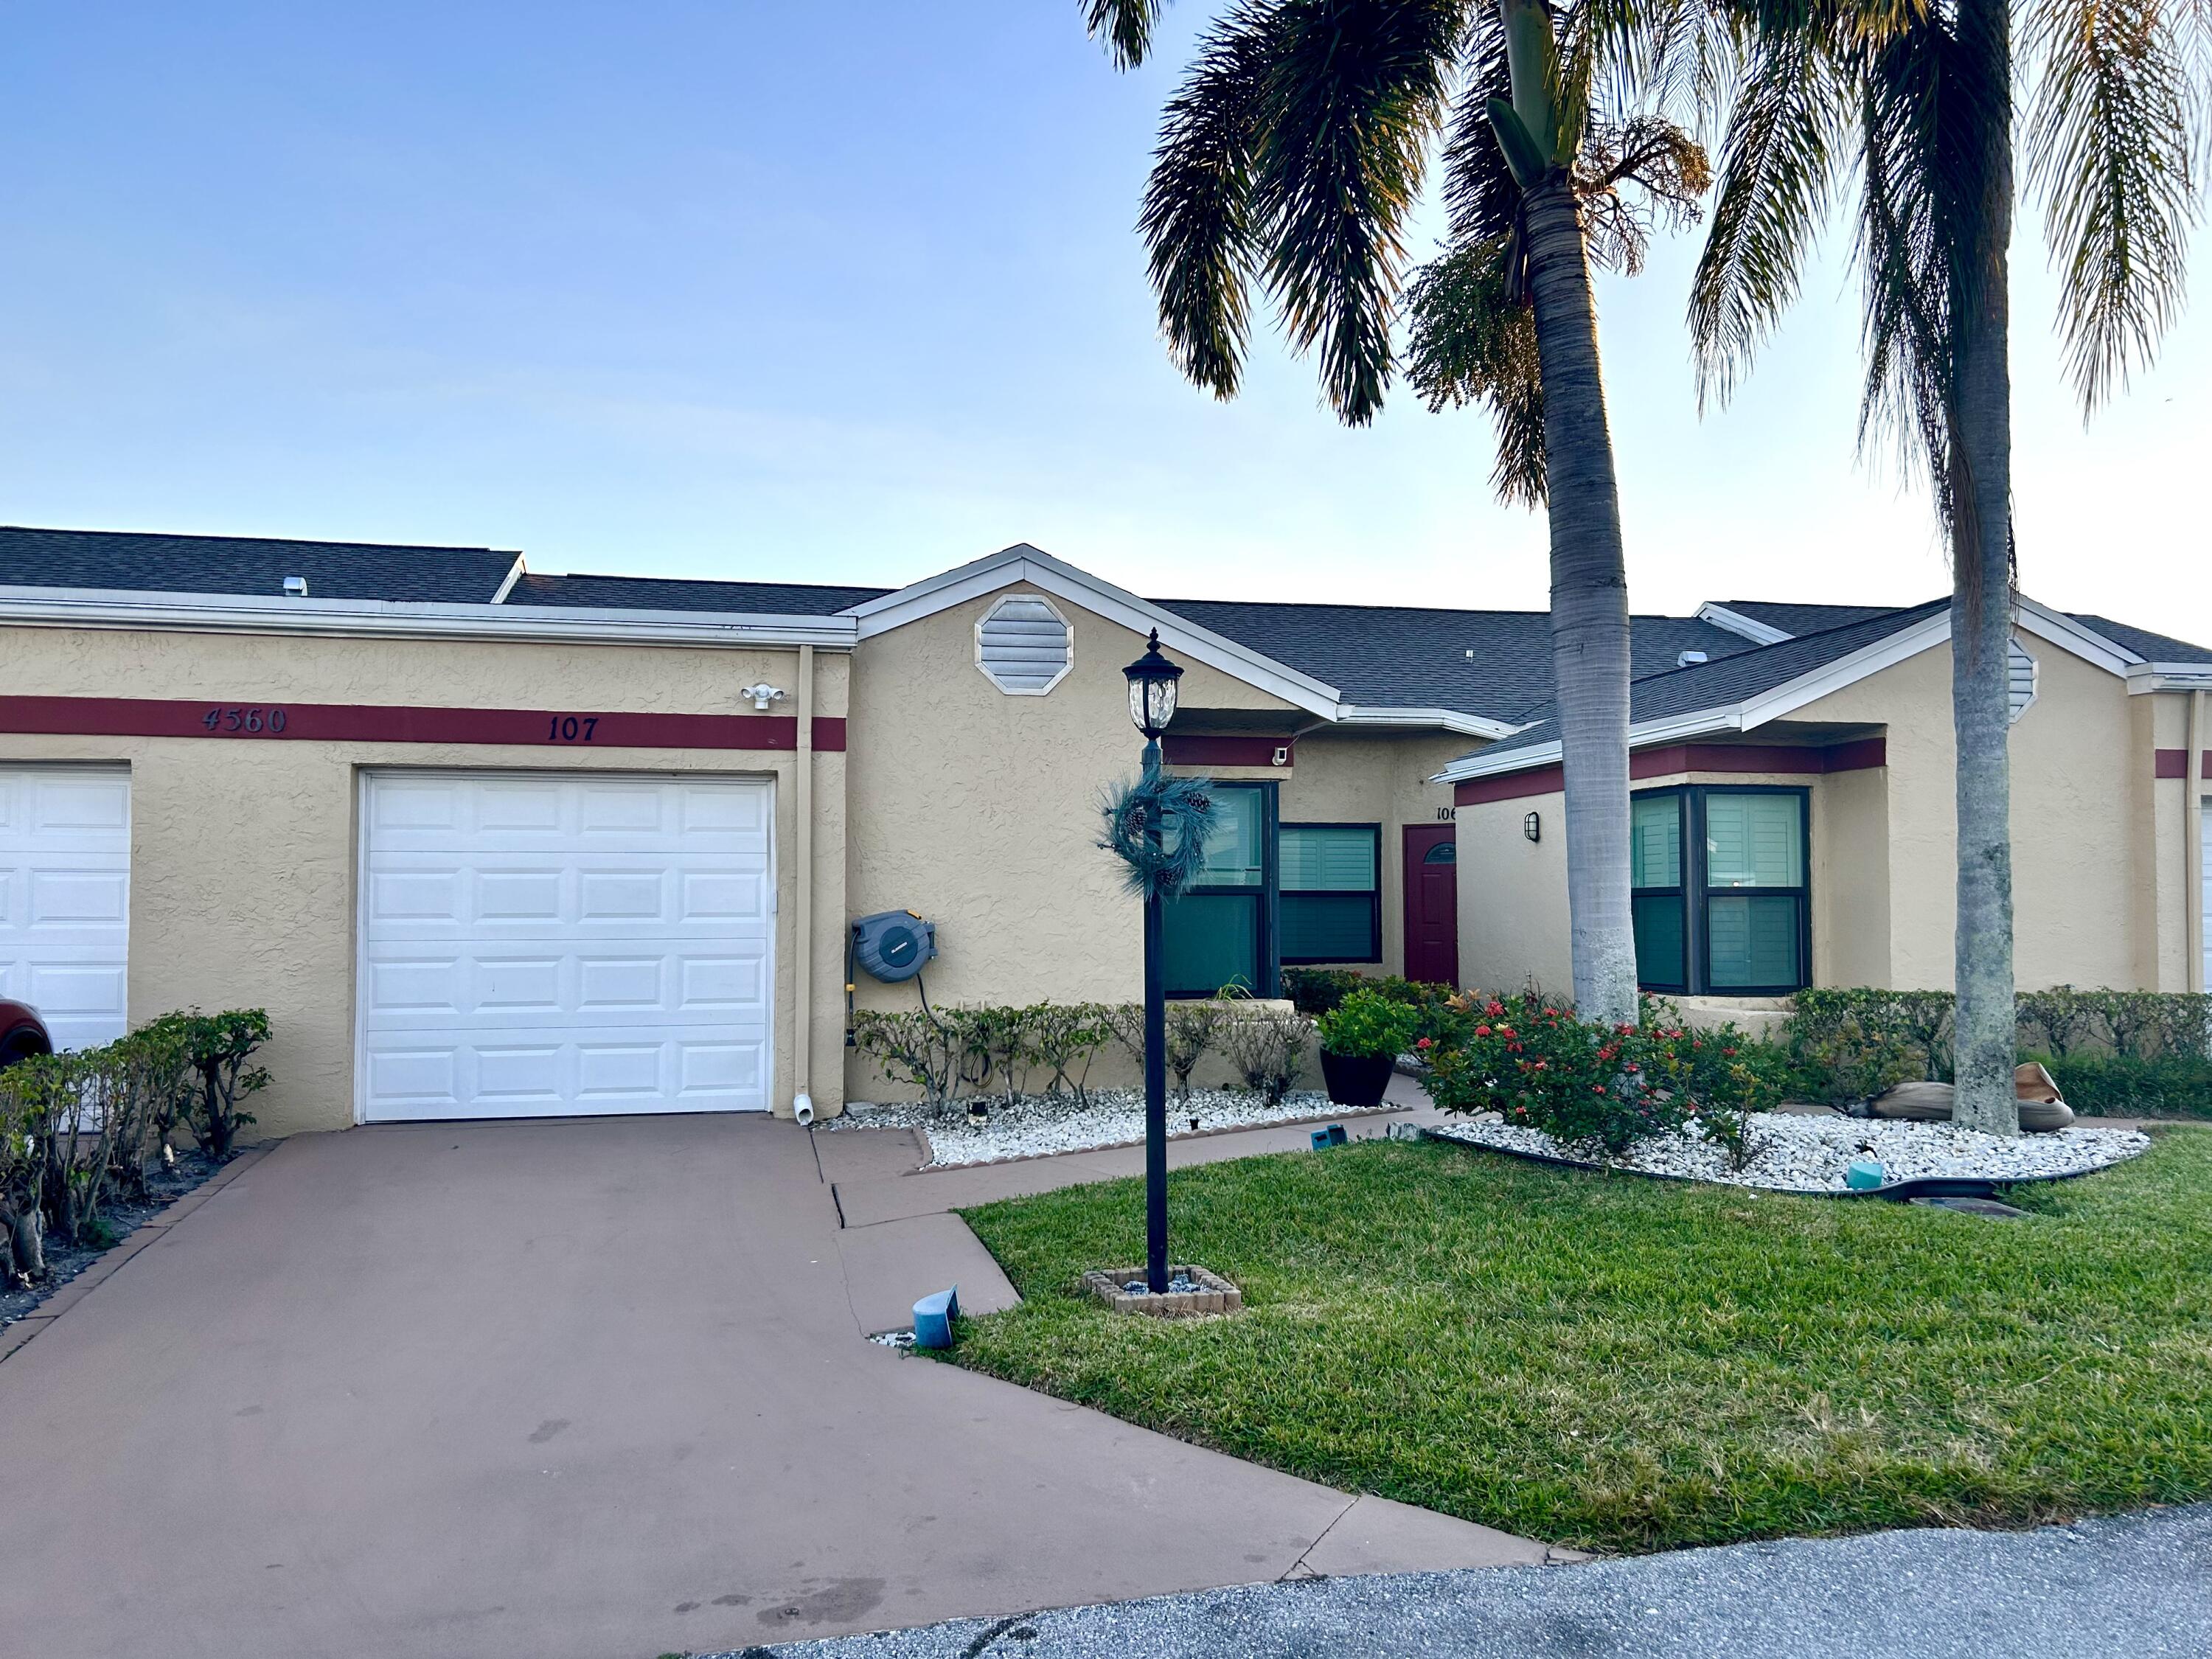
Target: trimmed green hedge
{"x":2121,"y":1085}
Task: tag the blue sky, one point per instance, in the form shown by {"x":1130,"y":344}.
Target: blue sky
{"x":850,"y":292}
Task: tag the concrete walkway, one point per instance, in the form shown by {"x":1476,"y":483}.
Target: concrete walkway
{"x":584,"y":1390}
{"x":2138,"y":1585}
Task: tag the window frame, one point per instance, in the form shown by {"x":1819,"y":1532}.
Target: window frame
{"x":1697,"y":931}
{"x":1270,"y":966}
{"x":1679,"y":891}
{"x":1374,"y":893}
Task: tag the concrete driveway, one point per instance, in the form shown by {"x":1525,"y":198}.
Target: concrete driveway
{"x":580,"y":1390}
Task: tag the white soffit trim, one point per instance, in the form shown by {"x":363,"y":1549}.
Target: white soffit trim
{"x":226,"y":613}
{"x":1431,"y":719}
{"x":1023,"y":564}
{"x":1737,"y":622}
{"x":1745,"y":716}
{"x":2169,"y":677}
{"x":513,"y":576}
{"x":2061,"y":630}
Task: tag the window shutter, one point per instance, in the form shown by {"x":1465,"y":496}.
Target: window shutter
{"x":1024,"y":646}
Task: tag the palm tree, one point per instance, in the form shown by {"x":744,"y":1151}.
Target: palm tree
{"x":1912,"y":103}
{"x":1289,"y":161}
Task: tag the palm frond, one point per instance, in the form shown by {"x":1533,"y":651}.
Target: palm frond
{"x":1356,"y":91}
{"x":1784,"y":144}
{"x":1197,"y":221}
{"x":2109,"y":140}
{"x":1481,"y":198}
{"x":1473,"y":339}
{"x":1632,"y":177}
{"x":1126,"y":26}
{"x":1904,"y":252}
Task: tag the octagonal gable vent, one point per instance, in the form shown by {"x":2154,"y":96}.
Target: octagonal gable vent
{"x":2020,"y":679}
{"x":1025,"y":645}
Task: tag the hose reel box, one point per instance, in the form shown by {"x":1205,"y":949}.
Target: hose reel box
{"x":893,"y":945}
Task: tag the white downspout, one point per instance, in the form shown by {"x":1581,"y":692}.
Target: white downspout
{"x":802,"y":955}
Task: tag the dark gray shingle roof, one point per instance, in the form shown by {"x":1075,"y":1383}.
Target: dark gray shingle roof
{"x":1396,"y":657}
{"x":1802,"y":618}
{"x":2151,"y":647}
{"x":144,"y":563}
{"x":1729,"y":680}
{"x":658,"y":593}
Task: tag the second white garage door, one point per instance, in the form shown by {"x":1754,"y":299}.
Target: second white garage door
{"x":537,"y":945}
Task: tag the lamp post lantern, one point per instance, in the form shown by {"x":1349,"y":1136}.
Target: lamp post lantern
{"x":1151,"y":705}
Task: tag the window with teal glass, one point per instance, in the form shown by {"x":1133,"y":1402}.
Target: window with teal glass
{"x":1658,"y":908}
{"x":1219,"y":931}
{"x":1722,"y":899}
{"x":1331,"y":881}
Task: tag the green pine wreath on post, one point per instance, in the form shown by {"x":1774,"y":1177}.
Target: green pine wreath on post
{"x":1182,"y":811}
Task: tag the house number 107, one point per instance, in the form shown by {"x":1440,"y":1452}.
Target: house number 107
{"x":567,"y":728}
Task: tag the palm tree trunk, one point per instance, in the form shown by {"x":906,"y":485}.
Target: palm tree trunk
{"x":1589,"y":606}
{"x":1982,"y":593}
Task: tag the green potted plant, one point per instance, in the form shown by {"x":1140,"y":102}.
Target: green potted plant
{"x":1361,"y":1039}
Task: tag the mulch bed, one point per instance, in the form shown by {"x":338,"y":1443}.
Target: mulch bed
{"x":192,"y":1170}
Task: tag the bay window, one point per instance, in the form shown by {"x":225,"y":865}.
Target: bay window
{"x":1721,"y":890}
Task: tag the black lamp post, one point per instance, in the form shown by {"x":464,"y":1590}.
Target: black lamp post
{"x":1151,"y":705}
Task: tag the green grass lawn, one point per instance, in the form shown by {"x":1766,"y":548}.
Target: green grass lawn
{"x":1619,"y":1364}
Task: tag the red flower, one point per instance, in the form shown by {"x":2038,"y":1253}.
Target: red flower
{"x":1482,"y":1031}
{"x":1422,"y":1043}
{"x":1494,"y":1009}
{"x":1730,"y":1053}
{"x":1543,"y":1064}
{"x":1597,"y":1088}
{"x":1505,"y":1031}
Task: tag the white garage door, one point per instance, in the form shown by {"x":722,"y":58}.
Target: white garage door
{"x":65,"y":897}
{"x":540,"y":945}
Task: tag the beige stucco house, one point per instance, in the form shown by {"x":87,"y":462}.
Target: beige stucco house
{"x":491,"y":843}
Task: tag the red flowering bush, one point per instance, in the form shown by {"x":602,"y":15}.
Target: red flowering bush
{"x":1596,"y":1088}
{"x":1527,"y":1057}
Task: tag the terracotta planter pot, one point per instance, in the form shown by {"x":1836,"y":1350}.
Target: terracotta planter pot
{"x":1356,"y":1080}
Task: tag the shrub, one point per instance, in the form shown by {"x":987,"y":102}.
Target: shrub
{"x":1314,"y":991}
{"x":1369,"y":1024}
{"x":994,"y":1043}
{"x":910,"y":1047}
{"x":1267,"y":1045}
{"x":1067,"y":1037}
{"x":1194,"y":1029}
{"x":217,"y":1047}
{"x":1724,"y":1075}
{"x":2123,"y":1086}
{"x":1528,"y":1059}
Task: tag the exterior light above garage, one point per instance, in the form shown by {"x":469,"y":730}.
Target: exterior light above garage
{"x":1153,"y":689}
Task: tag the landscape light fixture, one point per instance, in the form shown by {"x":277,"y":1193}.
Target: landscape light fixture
{"x":1151,"y":705}
{"x":1153,"y":689}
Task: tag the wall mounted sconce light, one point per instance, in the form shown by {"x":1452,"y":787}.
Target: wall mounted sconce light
{"x":1533,"y":827}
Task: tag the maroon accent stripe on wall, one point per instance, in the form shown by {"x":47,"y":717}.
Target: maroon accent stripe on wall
{"x":1786,"y":760}
{"x":1194,"y":749}
{"x":2175,"y":764}
{"x":344,"y":722}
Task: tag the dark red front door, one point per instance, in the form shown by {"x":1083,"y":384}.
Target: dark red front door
{"x":1432,"y":902}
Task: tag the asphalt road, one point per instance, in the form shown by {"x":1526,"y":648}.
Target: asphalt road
{"x":2137,"y":1585}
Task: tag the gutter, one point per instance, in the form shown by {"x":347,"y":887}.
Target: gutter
{"x":2169,"y":677}
{"x":1426,"y":719}
{"x":225,"y":613}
